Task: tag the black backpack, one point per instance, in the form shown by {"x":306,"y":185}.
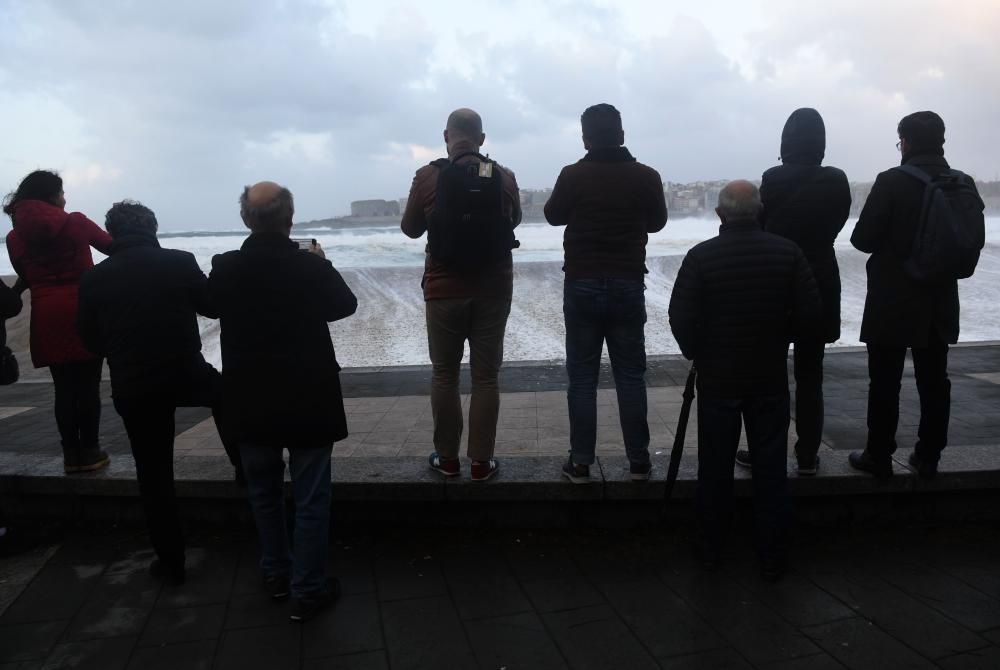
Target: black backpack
{"x":951,"y":231}
{"x":468,"y":228}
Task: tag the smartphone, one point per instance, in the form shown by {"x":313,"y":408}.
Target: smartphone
{"x":306,"y":243}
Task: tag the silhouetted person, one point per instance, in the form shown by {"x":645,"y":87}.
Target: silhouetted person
{"x":281,"y":388}
{"x":809,"y":204}
{"x":609,"y":203}
{"x":469,"y":206}
{"x":139,"y":308}
{"x":901,"y":313}
{"x":49,"y":249}
{"x":738,"y":300}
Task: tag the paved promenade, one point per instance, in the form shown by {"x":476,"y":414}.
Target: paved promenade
{"x":866,"y":599}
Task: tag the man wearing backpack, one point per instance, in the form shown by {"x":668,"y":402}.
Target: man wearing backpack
{"x":469,"y":206}
{"x":609,"y":203}
{"x":918,"y":251}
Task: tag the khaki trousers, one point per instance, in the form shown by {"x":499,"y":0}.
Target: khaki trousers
{"x":450,"y":322}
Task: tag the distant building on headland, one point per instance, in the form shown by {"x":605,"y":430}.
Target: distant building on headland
{"x":365,"y":208}
{"x":533,"y":203}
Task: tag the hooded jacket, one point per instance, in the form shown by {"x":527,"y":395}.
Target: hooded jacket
{"x":50,"y":250}
{"x":809,"y":204}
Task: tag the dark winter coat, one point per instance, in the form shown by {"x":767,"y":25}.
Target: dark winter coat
{"x":898,"y":310}
{"x":279,"y":370}
{"x":50,"y":250}
{"x":809,"y":205}
{"x":737,"y":302}
{"x":609,"y":203}
{"x":139,"y":308}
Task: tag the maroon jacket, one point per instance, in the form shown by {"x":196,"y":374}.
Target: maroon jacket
{"x":609,"y":203}
{"x":50,"y":250}
{"x":440,"y":282}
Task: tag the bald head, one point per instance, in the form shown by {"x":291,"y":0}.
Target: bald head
{"x":464,"y":125}
{"x":267,"y":207}
{"x":738,"y":200}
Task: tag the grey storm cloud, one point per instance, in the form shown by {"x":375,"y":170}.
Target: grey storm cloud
{"x":184,"y":102}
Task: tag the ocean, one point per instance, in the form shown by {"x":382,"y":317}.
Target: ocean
{"x":383,"y":267}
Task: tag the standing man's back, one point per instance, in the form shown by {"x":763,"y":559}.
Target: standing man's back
{"x":901,"y":312}
{"x":609,"y":203}
{"x":469,"y":206}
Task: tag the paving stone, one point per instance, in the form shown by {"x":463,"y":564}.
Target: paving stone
{"x":660,"y":619}
{"x":515,"y":641}
{"x":993,"y":636}
{"x":351,"y":626}
{"x":486,"y":594}
{"x":120,"y":602}
{"x":817,"y":662}
{"x":753,"y":630}
{"x":858,"y":643}
{"x":595,"y":637}
{"x":256,"y":610}
{"x":966,"y":605}
{"x":260,"y":648}
{"x":408,"y":575}
{"x":982,"y":659}
{"x":105,"y":654}
{"x":210,"y":575}
{"x":564,"y":593}
{"x":796,"y":599}
{"x":57,"y":592}
{"x":184,"y":624}
{"x":197,"y":655}
{"x":717,"y":659}
{"x":24,"y":642}
{"x":415,"y":629}
{"x":923,"y":628}
{"x":373,"y":660}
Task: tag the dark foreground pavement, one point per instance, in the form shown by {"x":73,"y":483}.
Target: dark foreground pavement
{"x":878,"y":597}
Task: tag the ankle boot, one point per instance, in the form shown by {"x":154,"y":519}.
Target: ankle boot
{"x":88,"y":460}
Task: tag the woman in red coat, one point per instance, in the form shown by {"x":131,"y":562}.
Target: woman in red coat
{"x":49,"y":250}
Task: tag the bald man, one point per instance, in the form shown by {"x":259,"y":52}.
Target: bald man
{"x":281,"y":388}
{"x":469,"y":206}
{"x":737,"y":302}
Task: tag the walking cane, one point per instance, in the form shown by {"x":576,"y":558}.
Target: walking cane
{"x":682,"y":422}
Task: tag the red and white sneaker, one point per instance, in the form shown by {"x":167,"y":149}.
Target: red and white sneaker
{"x":449,"y":467}
{"x":483,"y":470}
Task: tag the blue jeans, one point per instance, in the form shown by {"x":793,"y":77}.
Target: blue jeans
{"x":766,"y":419}
{"x":310,"y":470}
{"x":612,"y":310}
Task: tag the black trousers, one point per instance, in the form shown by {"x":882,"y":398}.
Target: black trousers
{"x":808,"y":362}
{"x":885,"y":372}
{"x":149,"y":422}
{"x":766,"y":419}
{"x":78,"y":403}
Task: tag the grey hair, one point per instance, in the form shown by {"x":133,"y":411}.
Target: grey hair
{"x":130,"y":216}
{"x":739,"y":200}
{"x":465,"y":123}
{"x":272,"y":216}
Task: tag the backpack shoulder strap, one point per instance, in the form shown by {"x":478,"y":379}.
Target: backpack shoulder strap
{"x":478,"y":155}
{"x":440,"y":162}
{"x":914,"y":172}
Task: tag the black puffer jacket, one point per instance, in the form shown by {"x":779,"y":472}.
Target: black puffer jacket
{"x":738,"y":300}
{"x":898,"y":310}
{"x":809,"y":205}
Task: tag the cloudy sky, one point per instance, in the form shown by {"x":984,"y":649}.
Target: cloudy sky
{"x":181,"y":103}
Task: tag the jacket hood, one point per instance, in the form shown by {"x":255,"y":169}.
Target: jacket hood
{"x":803,"y":139}
{"x":37,"y":221}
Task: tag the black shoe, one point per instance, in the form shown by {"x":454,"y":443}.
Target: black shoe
{"x":86,"y":460}
{"x":807,"y":466}
{"x":276,"y":586}
{"x":743,"y":459}
{"x":306,"y":608}
{"x":862,"y":460}
{"x":576,"y":473}
{"x":639,"y":472}
{"x":925,"y":469}
{"x":173,"y":574}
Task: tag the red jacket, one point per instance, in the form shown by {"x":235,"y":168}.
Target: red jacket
{"x":49,"y":250}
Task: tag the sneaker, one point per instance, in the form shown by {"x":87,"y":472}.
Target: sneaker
{"x":639,"y":472}
{"x":576,"y":473}
{"x":305,"y":608}
{"x":88,"y":461}
{"x":807,"y":467}
{"x":743,"y":459}
{"x":862,"y":460}
{"x":449,"y":467}
{"x":483,"y":470}
{"x":276,"y":586}
{"x":925,"y":469}
{"x":173,"y":574}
